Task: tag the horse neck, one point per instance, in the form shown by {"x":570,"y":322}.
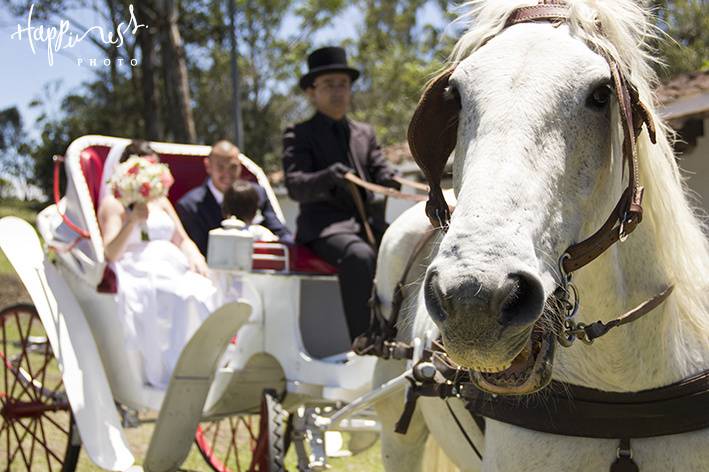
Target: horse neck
{"x":666,"y":345}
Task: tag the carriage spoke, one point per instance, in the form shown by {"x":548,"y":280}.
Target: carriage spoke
{"x":57,"y":425}
{"x":216,"y":433}
{"x":34,"y":440}
{"x":249,"y":428}
{"x":6,"y":428}
{"x":19,"y":445}
{"x":228,"y":454}
{"x":6,"y":385}
{"x":46,"y":449}
{"x":233,"y":426}
{"x":17,"y":368}
{"x":47,"y":360}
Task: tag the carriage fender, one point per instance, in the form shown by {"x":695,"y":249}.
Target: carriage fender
{"x":73,"y":345}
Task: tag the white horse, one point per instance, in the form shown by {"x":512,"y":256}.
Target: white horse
{"x":538,"y":167}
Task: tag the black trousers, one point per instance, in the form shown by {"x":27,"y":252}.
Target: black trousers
{"x":355,"y":260}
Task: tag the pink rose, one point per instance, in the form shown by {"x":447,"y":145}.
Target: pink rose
{"x":166,"y":179}
{"x":145,"y":189}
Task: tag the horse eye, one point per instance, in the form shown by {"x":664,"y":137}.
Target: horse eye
{"x":600,"y":97}
{"x":451,"y":93}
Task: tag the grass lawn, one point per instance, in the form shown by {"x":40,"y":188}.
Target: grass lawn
{"x":11,"y":292}
{"x":26,"y":211}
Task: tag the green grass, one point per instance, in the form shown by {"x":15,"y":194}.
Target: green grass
{"x":21,"y":209}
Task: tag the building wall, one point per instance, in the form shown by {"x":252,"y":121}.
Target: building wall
{"x":695,"y":166}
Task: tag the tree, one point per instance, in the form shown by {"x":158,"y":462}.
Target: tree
{"x":396,"y":54}
{"x":14,"y":161}
{"x":686,"y":22}
{"x":270,"y":62}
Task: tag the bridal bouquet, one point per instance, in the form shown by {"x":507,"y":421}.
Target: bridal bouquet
{"x":139,"y":180}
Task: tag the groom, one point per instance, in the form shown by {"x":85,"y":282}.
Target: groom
{"x":200,"y":210}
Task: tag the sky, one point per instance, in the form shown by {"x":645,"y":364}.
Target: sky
{"x":27,"y":73}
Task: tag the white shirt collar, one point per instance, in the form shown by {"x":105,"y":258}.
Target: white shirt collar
{"x":218,"y":196}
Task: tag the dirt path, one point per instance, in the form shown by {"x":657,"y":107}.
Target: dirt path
{"x":12,"y":291}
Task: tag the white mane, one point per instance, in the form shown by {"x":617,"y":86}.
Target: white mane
{"x":621,"y":29}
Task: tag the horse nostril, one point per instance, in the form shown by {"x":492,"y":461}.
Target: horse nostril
{"x":434,"y":297}
{"x":519,"y":300}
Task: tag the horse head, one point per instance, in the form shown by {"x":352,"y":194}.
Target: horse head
{"x":531,"y":111}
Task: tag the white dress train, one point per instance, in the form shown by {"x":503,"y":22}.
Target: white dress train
{"x":161,"y":302}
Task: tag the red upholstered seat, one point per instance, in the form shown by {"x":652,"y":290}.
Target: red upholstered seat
{"x":189,"y":172}
{"x":301,"y":260}
{"x":91,"y":160}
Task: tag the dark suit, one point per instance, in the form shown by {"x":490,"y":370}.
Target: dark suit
{"x":200,"y":213}
{"x":325,"y":207}
{"x":328,"y":221}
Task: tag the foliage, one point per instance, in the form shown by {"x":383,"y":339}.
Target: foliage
{"x":398,"y":45}
{"x":686,"y":22}
{"x":14,"y":162}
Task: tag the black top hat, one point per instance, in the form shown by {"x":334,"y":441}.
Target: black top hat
{"x":324,"y":61}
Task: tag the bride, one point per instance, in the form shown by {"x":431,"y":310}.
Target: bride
{"x":163,"y":290}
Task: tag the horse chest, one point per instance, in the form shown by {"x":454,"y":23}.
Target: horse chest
{"x":510,"y":449}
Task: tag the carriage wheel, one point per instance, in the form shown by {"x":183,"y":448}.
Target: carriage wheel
{"x":37,"y":430}
{"x":246,"y":443}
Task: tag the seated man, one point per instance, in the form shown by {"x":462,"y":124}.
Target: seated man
{"x":200,"y":209}
{"x":317,"y":155}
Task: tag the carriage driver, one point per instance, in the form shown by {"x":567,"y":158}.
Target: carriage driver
{"x":317,"y":154}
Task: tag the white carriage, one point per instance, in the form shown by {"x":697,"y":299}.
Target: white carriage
{"x":285,"y":336}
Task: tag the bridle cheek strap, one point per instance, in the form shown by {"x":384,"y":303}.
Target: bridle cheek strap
{"x":628,"y":212}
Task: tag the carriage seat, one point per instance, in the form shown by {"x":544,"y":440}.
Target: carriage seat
{"x":189,"y":172}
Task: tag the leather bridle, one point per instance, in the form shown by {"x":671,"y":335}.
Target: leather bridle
{"x":432,"y":138}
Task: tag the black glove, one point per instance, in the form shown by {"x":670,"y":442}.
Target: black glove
{"x":338,"y":170}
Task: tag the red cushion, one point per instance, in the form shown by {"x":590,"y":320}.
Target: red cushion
{"x":91,"y":160}
{"x":189,"y":172}
{"x":109,"y":282}
{"x":301,"y":259}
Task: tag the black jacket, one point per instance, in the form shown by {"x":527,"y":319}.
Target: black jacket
{"x":200,"y":213}
{"x":327,"y":208}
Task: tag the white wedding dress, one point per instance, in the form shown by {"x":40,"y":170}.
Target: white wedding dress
{"x":161,"y":302}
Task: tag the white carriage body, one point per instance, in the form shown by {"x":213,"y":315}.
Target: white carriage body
{"x":296,"y":321}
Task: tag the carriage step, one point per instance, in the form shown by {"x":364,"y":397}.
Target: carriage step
{"x":182,"y":407}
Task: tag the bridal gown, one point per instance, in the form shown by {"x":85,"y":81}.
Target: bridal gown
{"x":161,"y":301}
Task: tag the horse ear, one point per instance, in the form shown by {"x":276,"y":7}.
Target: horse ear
{"x":432,"y":137}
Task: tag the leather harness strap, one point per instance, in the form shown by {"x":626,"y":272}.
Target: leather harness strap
{"x":388,"y":191}
{"x":413,"y":184}
{"x":598,"y":328}
{"x":572,"y":410}
{"x":378,"y":340}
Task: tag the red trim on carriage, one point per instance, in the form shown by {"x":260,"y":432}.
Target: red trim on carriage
{"x":91,"y":160}
{"x":301,"y":260}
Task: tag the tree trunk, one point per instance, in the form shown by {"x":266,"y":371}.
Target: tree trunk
{"x":180,"y":119}
{"x":151,"y":93}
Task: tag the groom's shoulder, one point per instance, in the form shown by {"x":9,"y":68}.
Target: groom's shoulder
{"x":191,"y":199}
